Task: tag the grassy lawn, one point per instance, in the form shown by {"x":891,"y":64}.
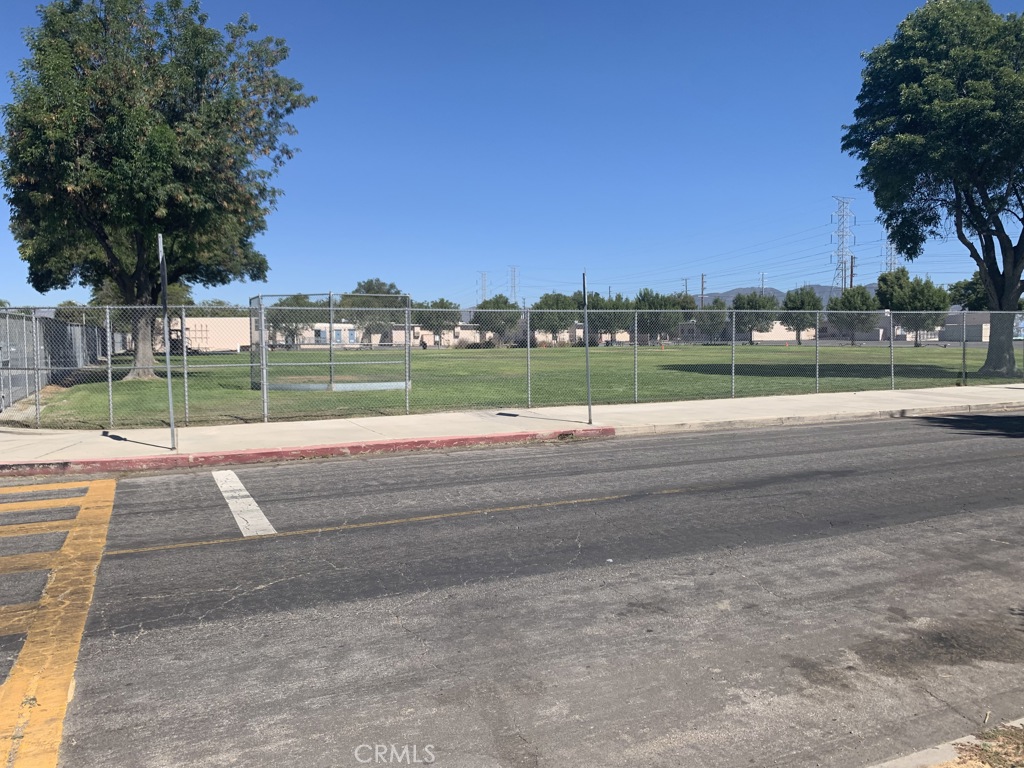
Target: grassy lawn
{"x":220,"y":391}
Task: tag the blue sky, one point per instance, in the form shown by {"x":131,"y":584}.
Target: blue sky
{"x":645,"y":141}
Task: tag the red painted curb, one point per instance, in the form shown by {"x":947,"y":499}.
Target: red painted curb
{"x":259,"y":455}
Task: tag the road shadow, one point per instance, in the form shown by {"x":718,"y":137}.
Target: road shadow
{"x":997,"y":425}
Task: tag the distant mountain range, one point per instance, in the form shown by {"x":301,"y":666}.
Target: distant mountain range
{"x":823,"y":291}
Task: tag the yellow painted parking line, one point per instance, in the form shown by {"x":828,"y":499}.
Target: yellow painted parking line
{"x":27,"y":489}
{"x":34,"y":698}
{"x":14,"y":619}
{"x":41,"y":526}
{"x":31,"y":506}
{"x":30,"y":561}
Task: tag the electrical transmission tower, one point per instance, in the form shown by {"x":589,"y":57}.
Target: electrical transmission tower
{"x":483,"y":286}
{"x":844,"y":239}
{"x":513,"y":283}
{"x":892,"y":259}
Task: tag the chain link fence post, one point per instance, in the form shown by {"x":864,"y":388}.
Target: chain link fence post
{"x":184,"y":360}
{"x":9,"y":342}
{"x":636,"y":357}
{"x":408,"y":351}
{"x":817,"y":352}
{"x":35,"y":367}
{"x":110,"y":367}
{"x":963,"y":343}
{"x":330,"y":341}
{"x":892,"y":351}
{"x":529,"y":372}
{"x":732,"y":373}
{"x":264,"y":379}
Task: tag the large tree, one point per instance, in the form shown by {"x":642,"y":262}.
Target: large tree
{"x":854,"y":311}
{"x":291,"y":316}
{"x":757,"y":313}
{"x":939,"y":127}
{"x":129,"y":121}
{"x":376,"y":307}
{"x":918,"y":305}
{"x":663,"y":313}
{"x":436,"y":316}
{"x":555,"y":312}
{"x":498,"y":315}
{"x":801,"y":307}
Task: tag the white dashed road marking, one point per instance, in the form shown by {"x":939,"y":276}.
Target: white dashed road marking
{"x":250,"y":518}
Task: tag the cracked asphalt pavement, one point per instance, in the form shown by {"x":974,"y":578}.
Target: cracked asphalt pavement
{"x":806,"y":596}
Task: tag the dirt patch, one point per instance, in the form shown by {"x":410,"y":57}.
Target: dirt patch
{"x":998,"y":748}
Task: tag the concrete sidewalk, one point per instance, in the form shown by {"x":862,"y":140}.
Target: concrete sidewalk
{"x":53,"y":452}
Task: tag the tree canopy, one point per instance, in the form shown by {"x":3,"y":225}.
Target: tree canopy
{"x":918,"y":305}
{"x":758,"y":313}
{"x":939,"y":128}
{"x":129,"y":121}
{"x":852,"y":312}
{"x":436,"y":316}
{"x":376,"y":307}
{"x":498,"y":315}
{"x":800,"y":310}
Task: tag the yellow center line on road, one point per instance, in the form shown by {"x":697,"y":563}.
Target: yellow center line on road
{"x":394,"y":521}
{"x":35,"y":695}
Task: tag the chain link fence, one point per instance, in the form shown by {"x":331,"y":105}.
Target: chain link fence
{"x":342,"y":356}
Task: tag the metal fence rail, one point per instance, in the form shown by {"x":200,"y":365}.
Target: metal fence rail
{"x":339,"y":356}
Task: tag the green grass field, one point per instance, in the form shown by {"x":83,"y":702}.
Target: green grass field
{"x":220,"y":391}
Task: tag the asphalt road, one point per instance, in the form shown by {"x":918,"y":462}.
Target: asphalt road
{"x":807,"y":596}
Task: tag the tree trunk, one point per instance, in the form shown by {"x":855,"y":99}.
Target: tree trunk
{"x":143,"y":366}
{"x":1000,"y":360}
{"x":799,"y":342}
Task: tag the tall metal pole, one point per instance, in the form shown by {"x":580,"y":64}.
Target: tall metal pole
{"x":167,"y":339}
{"x":586,"y":347}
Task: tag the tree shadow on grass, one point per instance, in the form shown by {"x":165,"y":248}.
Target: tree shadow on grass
{"x":983,"y":425}
{"x":825,"y":370}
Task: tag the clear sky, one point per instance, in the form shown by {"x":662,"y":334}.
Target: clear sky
{"x":645,"y":141}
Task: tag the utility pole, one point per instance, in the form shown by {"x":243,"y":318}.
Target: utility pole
{"x":762,"y":284}
{"x":703,"y":285}
{"x":483,"y":286}
{"x":686,"y":286}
